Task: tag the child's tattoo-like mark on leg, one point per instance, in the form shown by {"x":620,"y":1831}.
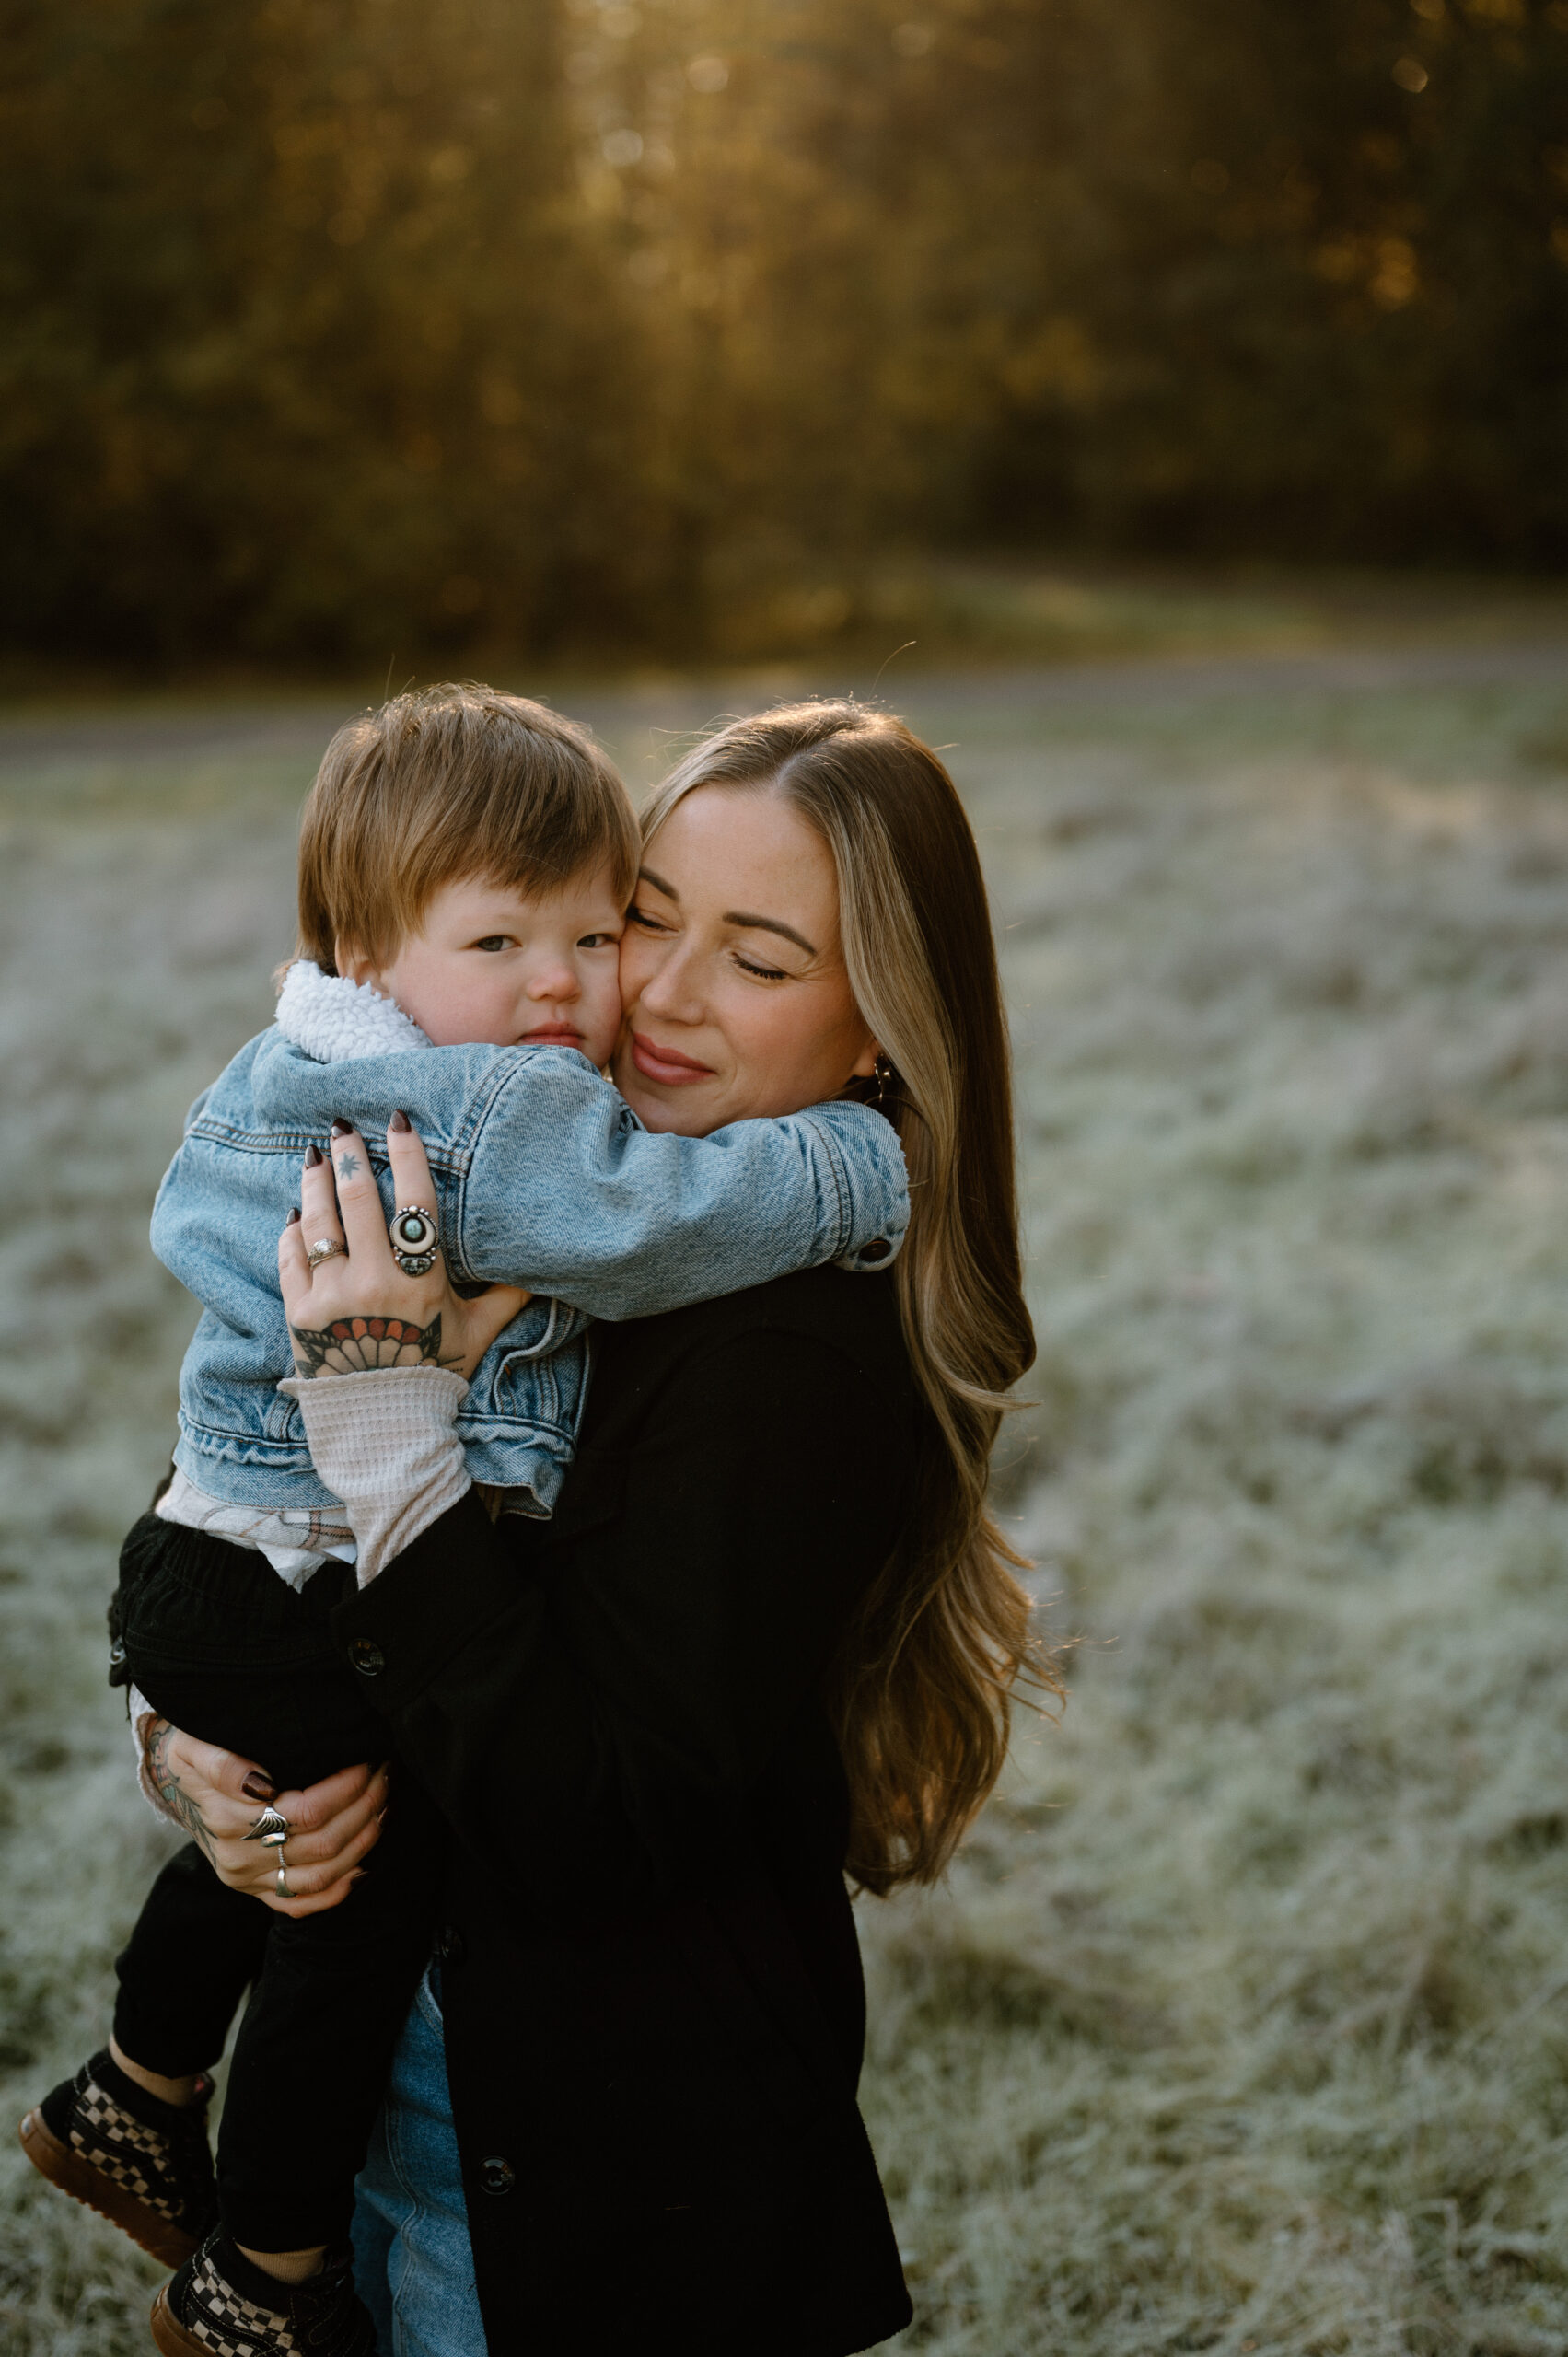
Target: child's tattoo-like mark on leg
{"x":350,"y":1345}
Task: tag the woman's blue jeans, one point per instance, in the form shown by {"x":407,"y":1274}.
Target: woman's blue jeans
{"x":412,"y":2261}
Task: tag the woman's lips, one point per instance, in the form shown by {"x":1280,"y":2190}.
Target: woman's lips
{"x":665,"y":1065}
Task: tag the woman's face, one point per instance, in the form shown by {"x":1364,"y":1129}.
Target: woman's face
{"x":731,"y":969}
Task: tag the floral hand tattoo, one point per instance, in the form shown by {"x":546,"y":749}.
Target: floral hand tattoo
{"x":350,"y":1345}
{"x":176,"y":1802}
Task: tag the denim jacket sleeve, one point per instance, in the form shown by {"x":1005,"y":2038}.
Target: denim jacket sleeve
{"x":565,"y":1191}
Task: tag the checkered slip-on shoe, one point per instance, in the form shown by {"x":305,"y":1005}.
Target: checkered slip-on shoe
{"x":137,"y":2162}
{"x":219,"y":2306}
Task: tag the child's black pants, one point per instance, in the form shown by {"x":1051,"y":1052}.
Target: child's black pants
{"x":227,"y":1652}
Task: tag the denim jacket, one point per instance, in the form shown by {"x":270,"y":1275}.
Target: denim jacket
{"x":543,"y":1177}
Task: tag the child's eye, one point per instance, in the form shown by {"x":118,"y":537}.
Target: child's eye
{"x":495,"y":941}
{"x":596,"y":940}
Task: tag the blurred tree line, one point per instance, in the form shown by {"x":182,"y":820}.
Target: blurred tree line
{"x":333,"y":328}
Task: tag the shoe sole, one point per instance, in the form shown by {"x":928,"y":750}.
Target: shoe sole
{"x":73,"y":2175}
{"x":171,"y":2335}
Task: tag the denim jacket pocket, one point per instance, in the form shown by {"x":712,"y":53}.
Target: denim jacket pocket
{"x":523,"y":1389}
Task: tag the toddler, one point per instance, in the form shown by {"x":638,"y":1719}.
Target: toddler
{"x":466,"y":859}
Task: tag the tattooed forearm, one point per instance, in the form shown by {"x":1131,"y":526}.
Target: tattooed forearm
{"x":176,"y":1802}
{"x":349,"y":1345}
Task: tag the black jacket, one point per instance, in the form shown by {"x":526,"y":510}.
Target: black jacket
{"x":653,"y":2003}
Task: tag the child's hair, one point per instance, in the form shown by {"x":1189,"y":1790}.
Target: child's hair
{"x":450,"y":783}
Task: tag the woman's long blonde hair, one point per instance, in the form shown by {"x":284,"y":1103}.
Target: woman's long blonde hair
{"x":921,"y":1689}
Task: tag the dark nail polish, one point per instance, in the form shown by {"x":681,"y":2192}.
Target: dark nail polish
{"x":312,"y":1155}
{"x":343,"y":1129}
{"x":258,"y":1787}
{"x":293,"y":1219}
{"x":400,"y":1121}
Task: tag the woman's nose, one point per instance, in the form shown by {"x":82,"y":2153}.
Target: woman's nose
{"x":671,"y":989}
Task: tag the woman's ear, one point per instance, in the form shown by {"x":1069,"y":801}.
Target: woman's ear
{"x":866,"y":1063}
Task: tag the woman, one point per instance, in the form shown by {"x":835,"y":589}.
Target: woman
{"x":767,"y":1640}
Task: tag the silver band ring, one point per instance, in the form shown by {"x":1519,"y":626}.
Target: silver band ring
{"x":413,"y":1239}
{"x":271,"y":1827}
{"x":284,"y":1890}
{"x":325,"y":1248}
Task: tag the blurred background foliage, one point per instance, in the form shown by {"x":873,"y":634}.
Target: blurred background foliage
{"x":332,"y":328}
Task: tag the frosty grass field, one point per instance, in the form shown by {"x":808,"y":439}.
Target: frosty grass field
{"x":1243,"y":2025}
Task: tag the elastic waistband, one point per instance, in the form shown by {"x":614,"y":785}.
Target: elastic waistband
{"x":239,"y":1577}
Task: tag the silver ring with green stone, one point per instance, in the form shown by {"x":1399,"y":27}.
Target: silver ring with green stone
{"x":415,"y":1241}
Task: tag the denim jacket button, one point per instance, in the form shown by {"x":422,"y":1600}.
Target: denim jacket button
{"x":367,"y":1657}
{"x":496,"y":2176}
{"x":877,"y":1250}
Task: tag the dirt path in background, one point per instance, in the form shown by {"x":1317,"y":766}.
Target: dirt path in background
{"x":288,"y":728}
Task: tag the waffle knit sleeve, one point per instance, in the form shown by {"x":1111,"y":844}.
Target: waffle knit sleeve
{"x":143,"y":1718}
{"x":384,"y":1442}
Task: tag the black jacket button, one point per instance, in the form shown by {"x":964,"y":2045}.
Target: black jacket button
{"x":877,"y":1250}
{"x":368,"y":1658}
{"x":496,"y":2176}
{"x":450,"y":1945}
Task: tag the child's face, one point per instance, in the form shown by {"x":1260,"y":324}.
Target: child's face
{"x":494,"y":966}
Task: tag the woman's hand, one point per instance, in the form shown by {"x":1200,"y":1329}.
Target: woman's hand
{"x":217,"y":1798}
{"x":358,"y":1307}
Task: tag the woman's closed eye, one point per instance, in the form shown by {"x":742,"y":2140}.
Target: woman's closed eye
{"x":647,"y":922}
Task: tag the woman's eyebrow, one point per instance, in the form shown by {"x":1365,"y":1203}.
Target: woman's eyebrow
{"x":770,"y":924}
{"x":735,"y":916}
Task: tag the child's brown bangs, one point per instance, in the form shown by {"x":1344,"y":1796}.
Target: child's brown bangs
{"x":454,"y":783}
